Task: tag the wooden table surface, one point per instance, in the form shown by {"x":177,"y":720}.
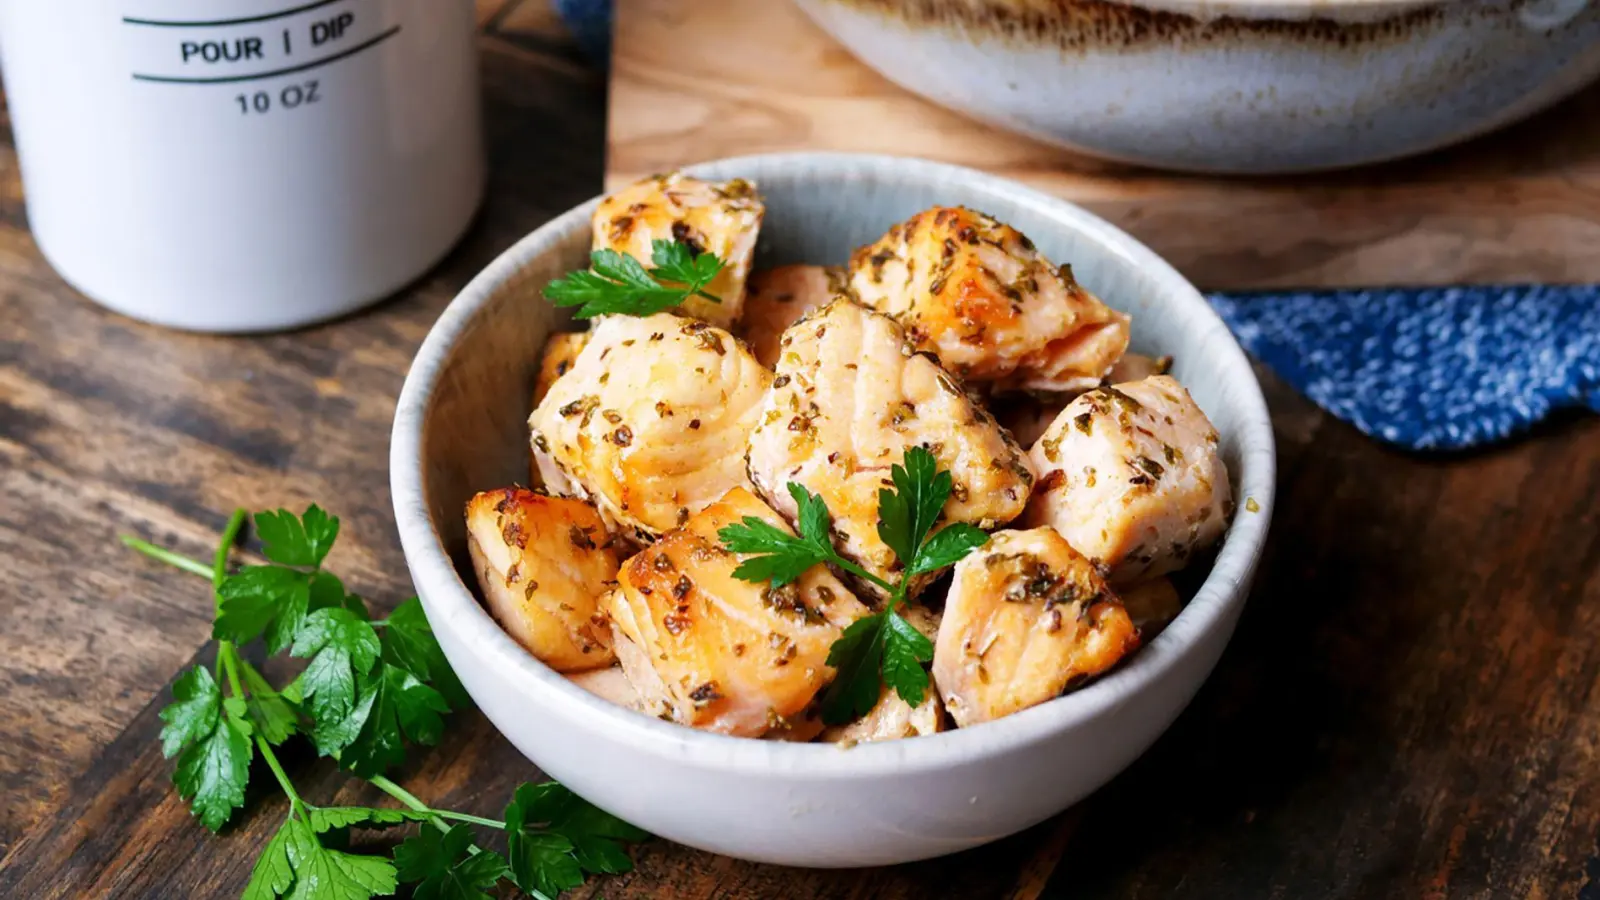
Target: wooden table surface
{"x":1411,"y":707}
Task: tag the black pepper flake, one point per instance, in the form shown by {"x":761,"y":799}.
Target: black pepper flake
{"x":662,"y":563}
{"x":709,"y":340}
{"x":580,"y":538}
{"x":682,"y":587}
{"x":513,"y":535}
{"x":705,"y":693}
{"x":611,"y":416}
{"x":684,"y":233}
{"x":780,"y":381}
{"x":694,"y":424}
{"x":1085,"y":422}
{"x":1154,"y":468}
{"x":623,"y":436}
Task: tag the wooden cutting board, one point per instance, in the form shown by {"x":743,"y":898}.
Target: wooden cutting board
{"x":712,"y":78}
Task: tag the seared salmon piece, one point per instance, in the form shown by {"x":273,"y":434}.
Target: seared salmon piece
{"x":977,"y":294}
{"x":1131,"y":476}
{"x":651,"y":421}
{"x":777,"y":298}
{"x":708,"y":216}
{"x":1026,"y":618}
{"x":850,"y":397}
{"x":711,"y":651}
{"x":542,"y":563}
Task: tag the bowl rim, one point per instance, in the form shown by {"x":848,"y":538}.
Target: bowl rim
{"x":451,"y":604}
{"x":1341,"y":12}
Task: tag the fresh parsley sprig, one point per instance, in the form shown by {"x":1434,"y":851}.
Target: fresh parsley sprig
{"x":617,"y":283}
{"x":369,"y":688}
{"x":882,"y":648}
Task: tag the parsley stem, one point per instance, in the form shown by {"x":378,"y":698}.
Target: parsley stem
{"x":856,"y":570}
{"x":436,"y":816}
{"x":227,"y":657}
{"x":277,"y":772}
{"x":467,"y":817}
{"x":230,"y":535}
{"x":408,"y":798}
{"x":192,"y":566}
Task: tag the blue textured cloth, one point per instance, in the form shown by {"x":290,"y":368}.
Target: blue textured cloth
{"x":590,"y":22}
{"x":1426,"y":369}
{"x":1429,"y":368}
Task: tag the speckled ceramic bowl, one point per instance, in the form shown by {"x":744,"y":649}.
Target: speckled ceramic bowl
{"x":459,"y":428}
{"x":1248,"y":86}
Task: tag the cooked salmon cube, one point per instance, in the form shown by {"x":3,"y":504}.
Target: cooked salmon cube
{"x":1027,"y":617}
{"x":542,"y":564}
{"x":777,"y":298}
{"x":651,"y":421}
{"x":1131,"y":476}
{"x":977,"y":294}
{"x":712,"y":651}
{"x":706,"y":216}
{"x":850,"y":398}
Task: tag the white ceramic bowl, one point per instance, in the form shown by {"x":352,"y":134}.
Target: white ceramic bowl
{"x":460,"y":428}
{"x":1244,"y":86}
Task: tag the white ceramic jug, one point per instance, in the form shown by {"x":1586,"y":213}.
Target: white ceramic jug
{"x":244,"y":165}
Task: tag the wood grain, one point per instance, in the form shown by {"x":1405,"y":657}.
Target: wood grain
{"x":109,"y":426}
{"x":713,"y":78}
{"x":1411,"y":707}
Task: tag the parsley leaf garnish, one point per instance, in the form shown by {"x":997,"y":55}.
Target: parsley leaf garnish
{"x":443,"y":867}
{"x":394,"y":705}
{"x":292,"y":540}
{"x":212,"y":742}
{"x":617,"y":283}
{"x":554,"y":837}
{"x":259,"y":599}
{"x":275,"y":600}
{"x":369,"y":689}
{"x":343,"y":649}
{"x":882,"y":648}
{"x":274,"y":717}
{"x":295,"y":864}
{"x":775,"y":554}
{"x":408,"y":642}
